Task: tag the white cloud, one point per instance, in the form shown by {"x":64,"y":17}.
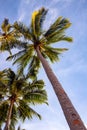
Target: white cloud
{"x":22,"y":16}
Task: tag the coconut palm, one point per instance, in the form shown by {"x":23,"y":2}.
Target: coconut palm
{"x":38,"y":49}
{"x":20,"y":94}
{"x":9,"y":37}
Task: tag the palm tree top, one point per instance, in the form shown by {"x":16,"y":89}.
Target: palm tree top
{"x":24,"y":94}
{"x":35,"y":35}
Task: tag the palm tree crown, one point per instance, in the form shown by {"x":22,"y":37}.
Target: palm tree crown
{"x":36,"y":36}
{"x":20,"y":94}
{"x":9,"y":37}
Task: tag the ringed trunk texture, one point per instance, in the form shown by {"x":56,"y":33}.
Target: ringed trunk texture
{"x":9,"y":115}
{"x":73,"y":119}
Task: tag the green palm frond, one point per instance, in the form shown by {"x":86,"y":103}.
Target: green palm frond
{"x":24,"y":60}
{"x":59,"y":24}
{"x":24,"y":30}
{"x":33,"y":67}
{"x":56,"y":32}
{"x":3,"y":111}
{"x":53,"y":53}
{"x":17,"y":55}
{"x":36,"y":84}
{"x":3,"y":77}
{"x":25,"y":111}
{"x":35,"y":92}
{"x":11,"y":76}
{"x":8,"y":36}
{"x":37,"y":21}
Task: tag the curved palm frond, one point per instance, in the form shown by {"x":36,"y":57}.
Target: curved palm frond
{"x":37,"y":21}
{"x":28,"y":113}
{"x":35,"y":92}
{"x":33,"y":67}
{"x":56,"y":32}
{"x":52,"y":53}
{"x":24,"y":30}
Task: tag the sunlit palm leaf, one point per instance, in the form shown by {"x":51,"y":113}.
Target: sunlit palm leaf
{"x":8,"y":36}
{"x":37,"y":21}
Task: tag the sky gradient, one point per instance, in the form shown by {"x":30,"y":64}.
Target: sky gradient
{"x":72,"y":68}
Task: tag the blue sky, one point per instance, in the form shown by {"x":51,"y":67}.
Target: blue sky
{"x":72,"y":68}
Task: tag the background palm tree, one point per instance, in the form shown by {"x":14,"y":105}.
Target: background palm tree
{"x":9,"y":37}
{"x":20,"y":94}
{"x":38,"y":49}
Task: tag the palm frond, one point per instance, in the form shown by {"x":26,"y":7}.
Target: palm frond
{"x":25,"y":111}
{"x":24,"y":30}
{"x":3,"y":111}
{"x":56,"y":32}
{"x":37,"y":21}
{"x":35,"y":93}
{"x":60,"y":23}
{"x":53,"y":53}
{"x":17,"y":55}
{"x":24,"y":60}
{"x":33,"y":67}
{"x":8,"y":37}
{"x":3,"y":77}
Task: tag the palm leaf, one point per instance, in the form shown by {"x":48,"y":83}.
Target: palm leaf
{"x":60,"y":23}
{"x":33,"y":67}
{"x":3,"y":111}
{"x":24,"y":30}
{"x":53,"y":53}
{"x":25,"y":111}
{"x":37,"y":21}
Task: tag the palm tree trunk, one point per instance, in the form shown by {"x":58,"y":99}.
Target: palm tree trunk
{"x":73,"y":119}
{"x":9,"y":115}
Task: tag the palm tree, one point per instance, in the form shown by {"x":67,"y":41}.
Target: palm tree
{"x":9,"y":37}
{"x":38,"y":49}
{"x":21,"y":93}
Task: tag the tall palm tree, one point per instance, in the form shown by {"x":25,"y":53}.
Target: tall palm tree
{"x":20,"y":94}
{"x":38,"y":49}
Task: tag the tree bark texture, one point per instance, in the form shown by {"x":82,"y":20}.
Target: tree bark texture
{"x":9,"y":115}
{"x":73,"y":119}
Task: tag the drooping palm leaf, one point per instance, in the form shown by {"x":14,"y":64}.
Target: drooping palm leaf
{"x":28,"y":113}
